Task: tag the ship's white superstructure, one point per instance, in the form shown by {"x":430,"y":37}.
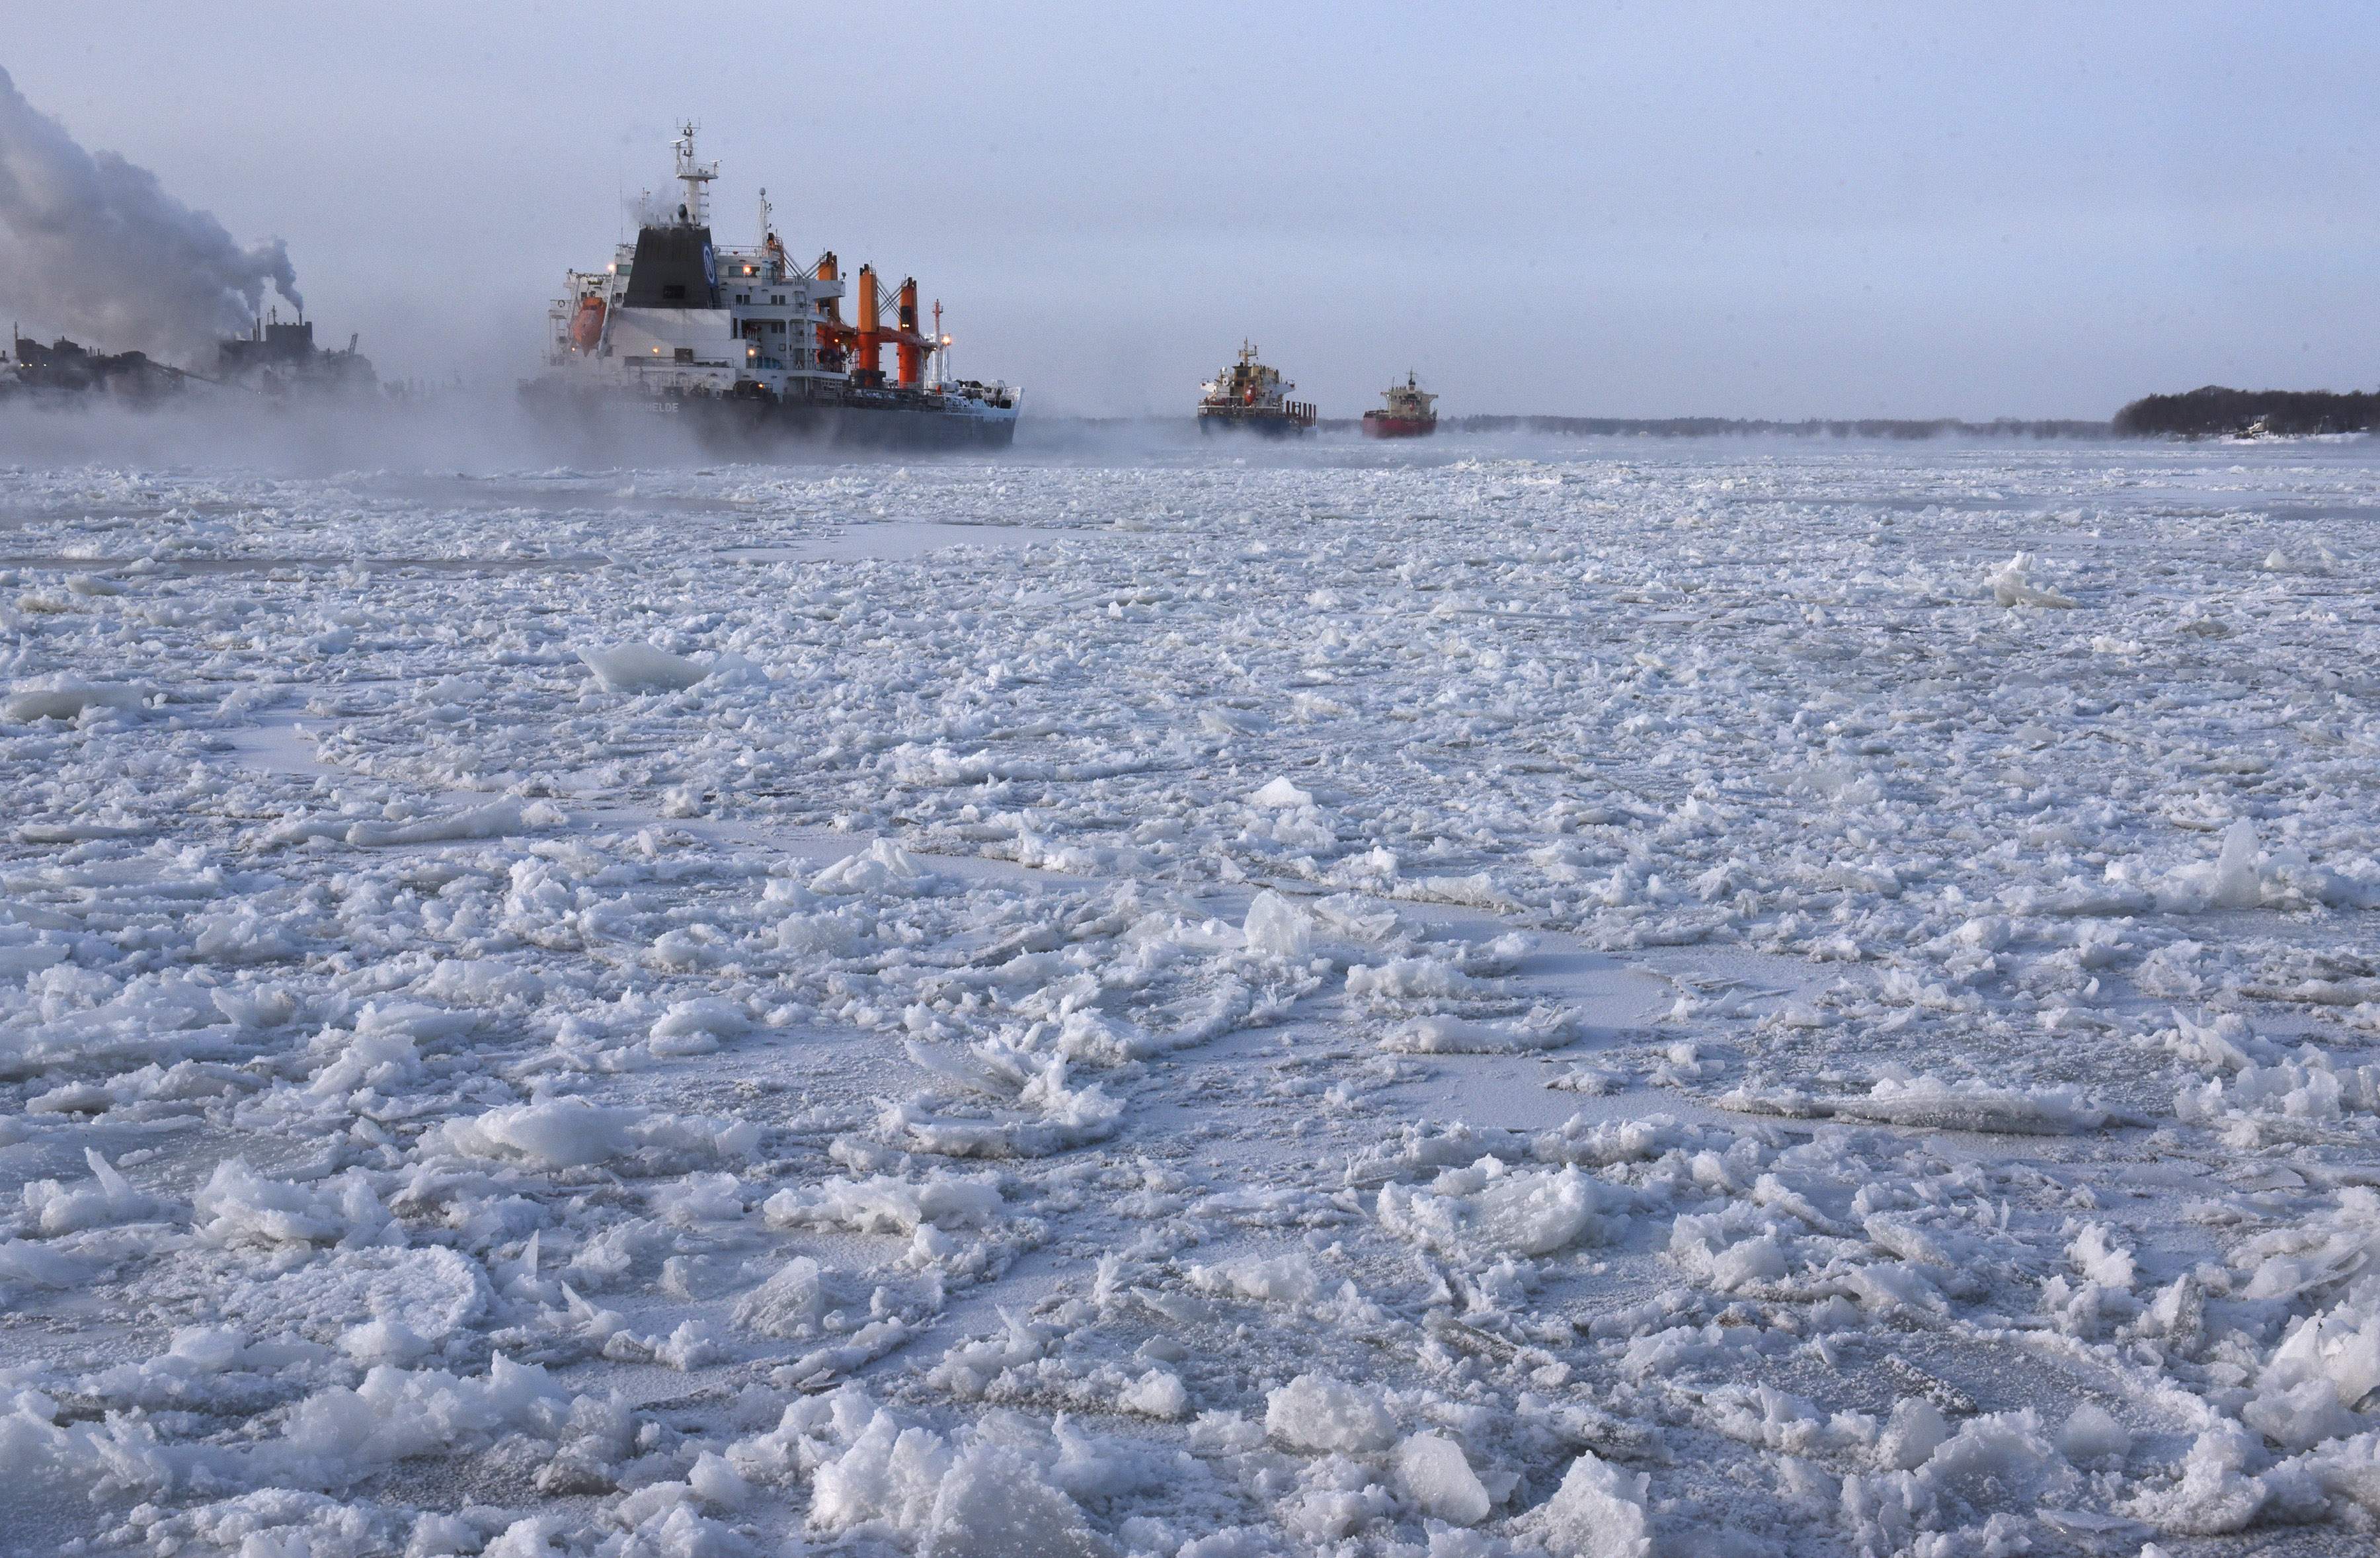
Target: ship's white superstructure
{"x":676,"y":317}
{"x":1249,"y":394}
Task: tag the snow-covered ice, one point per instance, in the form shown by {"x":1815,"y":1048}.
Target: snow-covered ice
{"x":1585,"y":999}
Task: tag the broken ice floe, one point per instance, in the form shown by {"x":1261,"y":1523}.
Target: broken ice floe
{"x":66,"y":698}
{"x":1931,"y":1104}
{"x":636,"y":667}
{"x":584,"y":1163}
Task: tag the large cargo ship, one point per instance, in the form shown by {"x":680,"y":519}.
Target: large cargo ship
{"x":1249,"y":394}
{"x":1405,"y":410}
{"x":755,"y":347}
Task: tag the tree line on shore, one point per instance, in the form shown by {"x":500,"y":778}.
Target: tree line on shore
{"x":2217,"y":412}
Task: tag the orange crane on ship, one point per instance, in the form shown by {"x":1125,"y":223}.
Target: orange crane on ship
{"x":860,"y":345}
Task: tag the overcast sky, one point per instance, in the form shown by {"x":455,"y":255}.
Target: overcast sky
{"x":1620,"y":210}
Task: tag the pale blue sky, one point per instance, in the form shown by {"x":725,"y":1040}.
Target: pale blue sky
{"x":1625,"y":210}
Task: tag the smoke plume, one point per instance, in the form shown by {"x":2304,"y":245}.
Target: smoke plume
{"x":94,"y":247}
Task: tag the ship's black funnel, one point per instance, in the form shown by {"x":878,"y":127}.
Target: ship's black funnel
{"x":673,"y":269}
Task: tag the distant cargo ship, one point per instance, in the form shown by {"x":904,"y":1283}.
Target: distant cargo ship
{"x":1407,"y":411}
{"x":753,"y":345}
{"x":1249,"y":394}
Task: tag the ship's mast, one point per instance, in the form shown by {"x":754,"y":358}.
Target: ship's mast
{"x":695,"y":176}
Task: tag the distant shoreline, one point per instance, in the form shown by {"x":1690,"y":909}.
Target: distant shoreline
{"x":1722,"y":427}
{"x":1692,"y":426}
{"x":2213,"y":411}
{"x":2207,"y":413}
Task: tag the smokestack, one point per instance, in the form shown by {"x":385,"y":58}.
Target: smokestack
{"x":909,"y":353}
{"x":97,"y":248}
{"x":868,"y":366}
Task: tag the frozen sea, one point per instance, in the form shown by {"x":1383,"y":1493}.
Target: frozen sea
{"x":1583,"y":998}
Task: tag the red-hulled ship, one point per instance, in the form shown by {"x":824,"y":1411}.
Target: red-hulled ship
{"x":1407,"y":411}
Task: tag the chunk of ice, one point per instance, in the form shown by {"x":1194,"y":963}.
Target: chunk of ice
{"x":636,"y":667}
{"x":1435,"y":1477}
{"x":63,"y":698}
{"x":1318,"y":1412}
